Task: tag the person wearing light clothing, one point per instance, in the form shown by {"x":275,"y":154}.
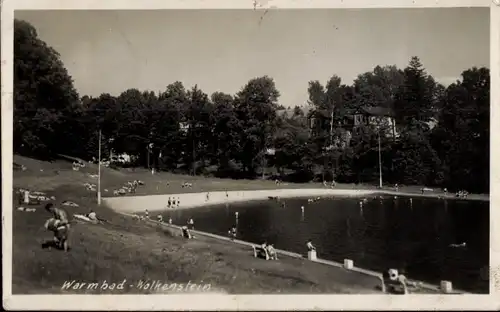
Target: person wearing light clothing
{"x":395,"y":282}
{"x":272,"y":252}
{"x":59,"y":225}
{"x":310,"y":246}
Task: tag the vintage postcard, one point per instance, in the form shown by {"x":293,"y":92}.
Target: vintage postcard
{"x":250,"y":155}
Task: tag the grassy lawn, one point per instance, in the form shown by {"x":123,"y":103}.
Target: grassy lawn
{"x":133,"y":250}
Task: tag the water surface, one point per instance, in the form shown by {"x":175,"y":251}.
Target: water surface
{"x":381,"y":233}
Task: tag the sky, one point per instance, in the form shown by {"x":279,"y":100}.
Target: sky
{"x":221,"y":50}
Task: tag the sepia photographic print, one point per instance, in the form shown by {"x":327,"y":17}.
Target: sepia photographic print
{"x":211,"y":154}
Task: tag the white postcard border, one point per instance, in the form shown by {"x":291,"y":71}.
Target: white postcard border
{"x":241,"y":302}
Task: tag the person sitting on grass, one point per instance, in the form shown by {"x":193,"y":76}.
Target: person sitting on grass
{"x":272,"y":252}
{"x":186,"y":233}
{"x":262,"y":252}
{"x":59,"y":225}
{"x":395,"y":282}
{"x":310,"y":246}
{"x":403,"y":281}
{"x":233,"y":232}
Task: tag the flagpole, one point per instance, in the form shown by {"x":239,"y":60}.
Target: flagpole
{"x":379,"y":161}
{"x":99,"y":173}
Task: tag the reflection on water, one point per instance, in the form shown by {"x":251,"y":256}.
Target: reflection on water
{"x":377,"y":233}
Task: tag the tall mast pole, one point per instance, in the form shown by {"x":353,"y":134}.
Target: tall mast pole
{"x":379,"y":160}
{"x":99,"y":173}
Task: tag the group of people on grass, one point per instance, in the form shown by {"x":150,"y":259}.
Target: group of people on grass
{"x":269,"y":248}
{"x":332,"y":184}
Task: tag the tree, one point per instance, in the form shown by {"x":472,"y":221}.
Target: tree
{"x":415,"y":100}
{"x":461,"y":137}
{"x":43,"y":95}
{"x":328,"y":112}
{"x":378,"y":87}
{"x":256,"y":106}
{"x":415,"y":161}
{"x":225,"y":130}
{"x":291,"y":143}
{"x":98,"y":114}
{"x":133,"y":132}
{"x":169,"y":120}
{"x":199,"y":135}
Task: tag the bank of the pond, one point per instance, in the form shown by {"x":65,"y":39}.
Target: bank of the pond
{"x":195,"y":200}
{"x":411,"y":233}
{"x":370,"y":280}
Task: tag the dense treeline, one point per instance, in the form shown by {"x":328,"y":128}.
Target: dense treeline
{"x":442,"y":133}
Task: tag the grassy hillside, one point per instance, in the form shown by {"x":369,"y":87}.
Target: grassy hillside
{"x":133,"y":250}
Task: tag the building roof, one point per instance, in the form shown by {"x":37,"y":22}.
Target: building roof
{"x":371,"y":111}
{"x":377,"y":111}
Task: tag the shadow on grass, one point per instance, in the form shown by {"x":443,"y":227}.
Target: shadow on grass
{"x":51,"y":244}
